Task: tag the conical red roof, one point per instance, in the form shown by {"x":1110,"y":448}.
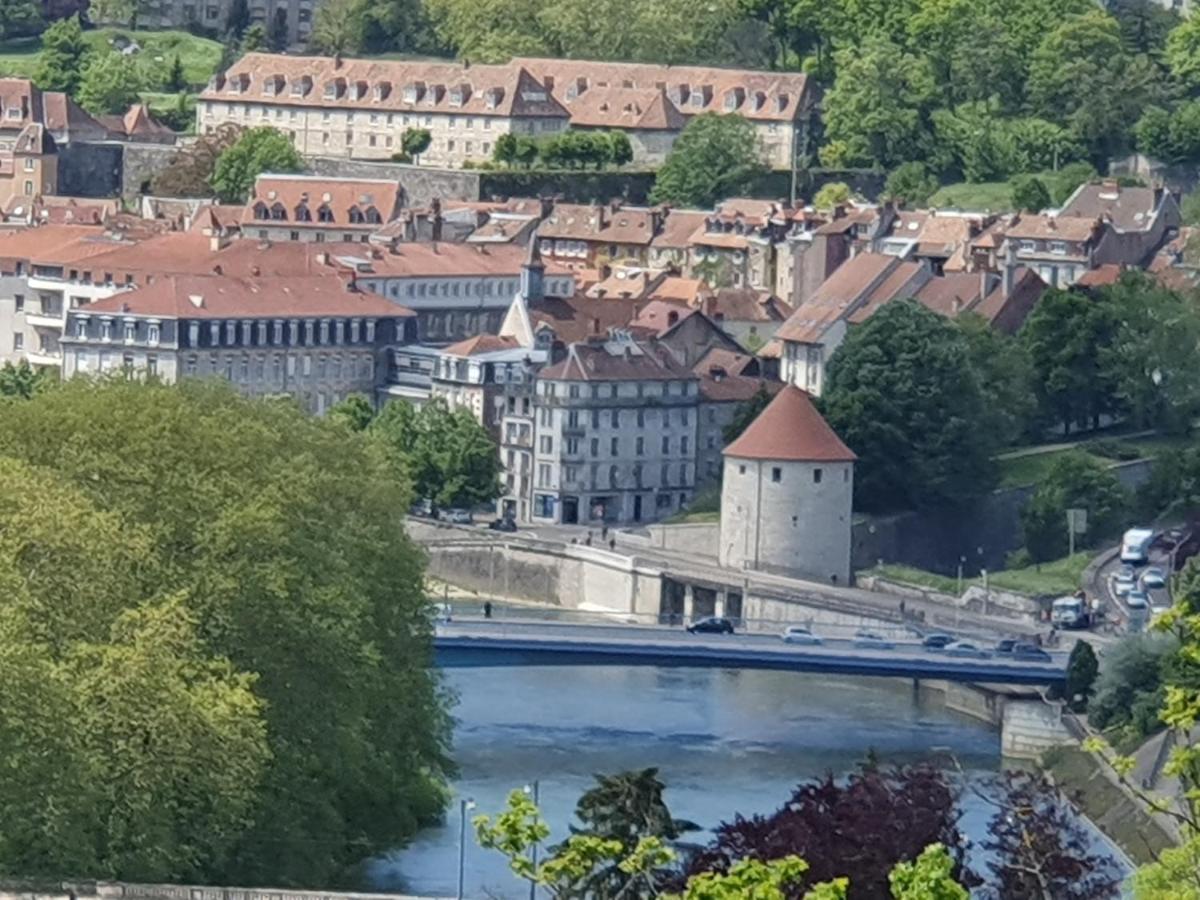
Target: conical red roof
{"x":791,"y":430}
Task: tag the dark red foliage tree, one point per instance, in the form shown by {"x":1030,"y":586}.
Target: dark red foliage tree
{"x":859,"y":827}
{"x":1042,"y":850}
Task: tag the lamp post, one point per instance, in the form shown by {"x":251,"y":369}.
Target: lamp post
{"x":463,"y":806}
{"x":532,"y":791}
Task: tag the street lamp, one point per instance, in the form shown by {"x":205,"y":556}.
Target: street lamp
{"x":463,"y":806}
{"x":532,"y":791}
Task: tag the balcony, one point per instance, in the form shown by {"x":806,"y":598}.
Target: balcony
{"x":44,"y":358}
{"x":44,"y":318}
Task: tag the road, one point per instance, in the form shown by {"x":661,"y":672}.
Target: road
{"x":482,"y":642}
{"x":1160,"y":598}
{"x":698,"y":568}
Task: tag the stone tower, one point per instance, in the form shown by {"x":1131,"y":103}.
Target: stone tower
{"x":786,"y":497}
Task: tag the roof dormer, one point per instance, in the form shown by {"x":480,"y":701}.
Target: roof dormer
{"x":492,"y":97}
{"x":382,"y":91}
{"x":734,"y":97}
{"x":335,"y":89}
{"x":302,"y":86}
{"x":460,"y":94}
{"x":758,"y":101}
{"x":575,"y":87}
{"x":274,"y":84}
{"x":700,"y":95}
{"x":359,"y":91}
{"x":414,"y":91}
{"x":781,"y":102}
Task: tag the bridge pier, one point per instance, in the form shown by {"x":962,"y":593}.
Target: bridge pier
{"x":689,"y":602}
{"x":719,"y":603}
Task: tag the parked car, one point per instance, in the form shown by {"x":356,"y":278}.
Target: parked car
{"x":870,"y":640}
{"x":967,"y":649}
{"x":937,"y":641}
{"x":424,"y":508}
{"x":1154,"y":577}
{"x":711,"y":625}
{"x":799,"y":634}
{"x":503,"y":525}
{"x":457,"y":516}
{"x":1138,"y":600}
{"x":1030,"y":653}
{"x":442,"y":612}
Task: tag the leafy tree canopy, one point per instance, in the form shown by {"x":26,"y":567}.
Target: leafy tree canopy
{"x":64,"y":52}
{"x":713,"y":158}
{"x":902,"y":392}
{"x":109,"y":84}
{"x":1029,"y":194}
{"x":911,"y":184}
{"x":1075,"y":481}
{"x":256,"y":151}
{"x":190,"y":170}
{"x":213,"y":639}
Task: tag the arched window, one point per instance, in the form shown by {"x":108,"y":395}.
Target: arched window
{"x":355,"y":215}
{"x":373,"y":215}
{"x":324,"y":213}
{"x":278,"y":212}
{"x":302,"y":213}
{"x":261,"y":211}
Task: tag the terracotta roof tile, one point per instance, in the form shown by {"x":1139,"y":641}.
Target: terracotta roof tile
{"x":1128,"y":208}
{"x":618,"y":361}
{"x":677,"y":229}
{"x":836,"y":295}
{"x":747,"y":305}
{"x":1053,"y":228}
{"x":480,"y":344}
{"x":220,"y":296}
{"x":790,"y":430}
{"x":577,"y":318}
{"x":313,"y":193}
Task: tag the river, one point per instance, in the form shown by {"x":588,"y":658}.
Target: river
{"x":725,"y":741}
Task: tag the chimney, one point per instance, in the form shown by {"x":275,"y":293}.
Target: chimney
{"x":435,"y":220}
{"x":1009,"y":274}
{"x":337,"y":60}
{"x":547,"y":206}
{"x":217,"y":270}
{"x":255,"y":271}
{"x":322,"y":259}
{"x":595,"y":326}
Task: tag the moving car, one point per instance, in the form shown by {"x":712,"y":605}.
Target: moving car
{"x":1135,"y":546}
{"x":869,"y":640}
{"x":1154,"y":577}
{"x":711,"y":625}
{"x":1124,"y":581}
{"x":967,"y":649}
{"x":800,"y":634}
{"x":937,"y":641}
{"x":503,"y":525}
{"x":1138,"y":600}
{"x":1030,"y":653}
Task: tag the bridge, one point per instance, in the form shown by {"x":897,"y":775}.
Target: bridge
{"x":484,"y":643}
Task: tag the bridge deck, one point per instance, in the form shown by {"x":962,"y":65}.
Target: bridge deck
{"x":471,"y":645}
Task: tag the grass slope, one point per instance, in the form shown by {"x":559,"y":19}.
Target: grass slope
{"x":200,"y":56}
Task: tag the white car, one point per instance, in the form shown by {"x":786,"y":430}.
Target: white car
{"x":442,"y":612}
{"x":968,"y":649}
{"x":869,"y":640}
{"x":1154,"y":577}
{"x":1123,"y":583}
{"x":799,"y":634}
{"x":1138,"y":600}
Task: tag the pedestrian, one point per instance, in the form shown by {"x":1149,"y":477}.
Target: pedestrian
{"x":589,"y":539}
{"x":901,"y":607}
{"x":487,"y":609}
{"x":612,"y":543}
{"x":604,"y":532}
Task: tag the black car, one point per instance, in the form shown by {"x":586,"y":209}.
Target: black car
{"x":711,"y":625}
{"x":937,"y":641}
{"x":1030,"y":653}
{"x":502,"y":525}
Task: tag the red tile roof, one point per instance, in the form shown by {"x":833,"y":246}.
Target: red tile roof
{"x":850,"y":282}
{"x":481,"y":343}
{"x":612,"y":361}
{"x":222,"y":296}
{"x":312,"y":192}
{"x":790,"y":430}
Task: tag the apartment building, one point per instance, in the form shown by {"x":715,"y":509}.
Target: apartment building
{"x":315,"y":339}
{"x":361,"y":108}
{"x":613,"y":435}
{"x":318,"y":209}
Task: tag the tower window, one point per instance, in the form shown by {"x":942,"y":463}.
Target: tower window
{"x":777,"y":474}
{"x":816,"y":476}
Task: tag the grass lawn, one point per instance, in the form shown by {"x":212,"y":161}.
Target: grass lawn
{"x":993,"y":195}
{"x":1031,"y":468}
{"x":199,"y":56}
{"x":1060,"y":576}
{"x":1021,"y":470}
{"x":706,"y":507}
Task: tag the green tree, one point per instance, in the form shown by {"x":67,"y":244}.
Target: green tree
{"x":254,"y":39}
{"x":1029,"y":194}
{"x":1005,"y":377}
{"x":1150,"y":361}
{"x":491,"y":32}
{"x":355,"y":412}
{"x":835,"y":193}
{"x":911,"y":184}
{"x":929,"y":877}
{"x":189,"y":172}
{"x":337,"y":28}
{"x":773,"y":880}
{"x":176,"y":80}
{"x":64,"y":54}
{"x":1064,"y":336}
{"x":620,"y":151}
{"x":903,"y":394}
{"x":1170,"y":137}
{"x":976,"y":141}
{"x":1131,"y":683}
{"x":245,"y":557}
{"x":746,"y":413}
{"x":19,"y":18}
{"x":22,"y":380}
{"x":257,"y":150}
{"x":1182,"y":54}
{"x":1082,"y":669}
{"x":1074,"y":481}
{"x":714,"y":157}
{"x":1174,"y":484}
{"x":415,"y":141}
{"x":115,"y":12}
{"x":1081,"y":77}
{"x":449,"y":457}
{"x":1172,"y":876}
{"x":109,"y":85}
{"x":877,"y":111}
{"x":1062,"y":184}
{"x":505,"y":149}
